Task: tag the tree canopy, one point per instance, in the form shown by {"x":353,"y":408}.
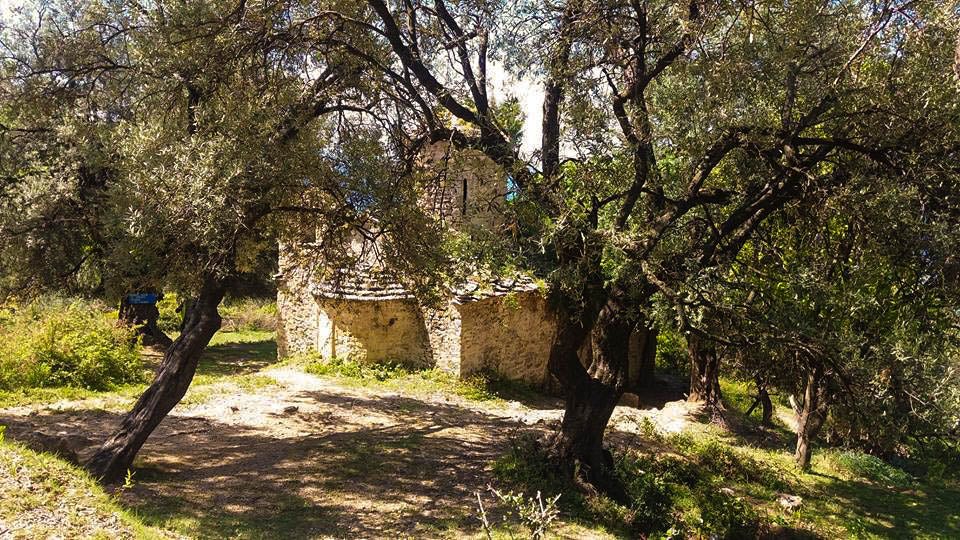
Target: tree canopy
{"x":785,"y":172}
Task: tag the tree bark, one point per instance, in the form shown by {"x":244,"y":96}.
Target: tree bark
{"x":591,"y":397}
{"x":643,"y":356}
{"x":812,"y":415}
{"x":763,"y":399}
{"x":704,"y":373}
{"x":144,"y":318}
{"x":115,"y":457}
{"x":766,"y":406}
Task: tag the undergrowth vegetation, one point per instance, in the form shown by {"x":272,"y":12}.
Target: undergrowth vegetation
{"x":45,"y":497}
{"x":712,"y":484}
{"x":248,"y":314}
{"x":483,"y":385}
{"x":238,"y":314}
{"x":66,"y":343}
{"x":704,"y":482}
{"x":675,"y":496}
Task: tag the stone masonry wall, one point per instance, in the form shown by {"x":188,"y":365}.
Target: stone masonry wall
{"x":449,"y":171}
{"x":296,"y":332}
{"x":510,"y":334}
{"x":443,"y":331}
{"x":373,"y":331}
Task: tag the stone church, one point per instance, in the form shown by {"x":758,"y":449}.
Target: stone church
{"x":501,"y":324}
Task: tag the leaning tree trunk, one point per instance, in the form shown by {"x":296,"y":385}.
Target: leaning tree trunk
{"x":591,"y":397}
{"x":811,"y":416}
{"x":112,"y":460}
{"x":704,"y":373}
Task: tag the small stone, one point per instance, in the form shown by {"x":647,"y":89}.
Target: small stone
{"x":234,"y":409}
{"x":291,"y":409}
{"x":789,"y":502}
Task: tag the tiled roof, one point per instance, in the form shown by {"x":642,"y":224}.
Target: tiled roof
{"x":472,"y":290}
{"x":371,"y":286}
{"x":361,"y":285}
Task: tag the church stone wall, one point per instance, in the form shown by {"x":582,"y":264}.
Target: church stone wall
{"x":373,"y":331}
{"x":462,"y":186}
{"x":443,"y":327}
{"x":510,"y":334}
{"x":296,"y":333}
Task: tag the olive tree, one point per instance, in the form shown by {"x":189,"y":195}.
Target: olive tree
{"x":671,"y":131}
{"x":172,"y":143}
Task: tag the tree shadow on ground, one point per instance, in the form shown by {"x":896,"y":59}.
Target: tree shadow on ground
{"x":376,"y":466}
{"x":660,"y":390}
{"x":362,"y":467}
{"x":888,"y":512}
{"x":529,"y":396}
{"x":240,"y":358}
{"x":233,"y":358}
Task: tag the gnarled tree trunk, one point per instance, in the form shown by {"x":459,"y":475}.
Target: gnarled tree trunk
{"x":144,"y":318}
{"x":812,"y":415}
{"x":766,"y":406}
{"x":643,"y":356}
{"x":763,"y":399}
{"x":591,"y":396}
{"x":704,"y":373}
{"x":112,"y":460}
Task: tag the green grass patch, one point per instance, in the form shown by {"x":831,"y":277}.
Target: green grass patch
{"x":873,"y":469}
{"x":120,"y":397}
{"x":483,"y":386}
{"x":283,"y":516}
{"x":49,"y":497}
{"x":249,"y":314}
{"x":710,"y":485}
{"x":230,"y":363}
{"x":672,"y":496}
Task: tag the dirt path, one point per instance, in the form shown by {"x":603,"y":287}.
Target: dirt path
{"x":310,"y":458}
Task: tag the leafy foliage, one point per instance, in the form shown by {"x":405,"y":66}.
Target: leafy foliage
{"x":53,"y":342}
{"x":873,"y":468}
{"x":669,"y":493}
{"x":248,"y":314}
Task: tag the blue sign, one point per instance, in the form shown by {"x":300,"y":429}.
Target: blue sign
{"x":142,"y":298}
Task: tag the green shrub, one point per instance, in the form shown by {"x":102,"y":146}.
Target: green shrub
{"x":935,"y":460}
{"x":649,"y":483}
{"x":525,"y":466}
{"x":488,"y":385}
{"x":874,"y":469}
{"x":728,"y":463}
{"x":672,"y":352}
{"x":346,"y":367}
{"x":170,"y":320}
{"x":247,"y":314}
{"x":477,"y":386}
{"x":58,"y":343}
{"x":723,"y":515}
